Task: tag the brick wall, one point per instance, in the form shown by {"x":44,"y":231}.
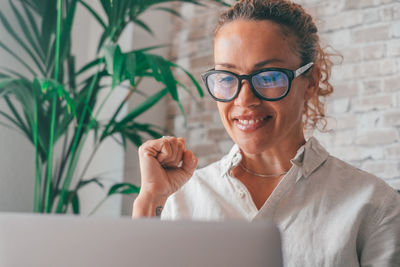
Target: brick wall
{"x":364,"y":111}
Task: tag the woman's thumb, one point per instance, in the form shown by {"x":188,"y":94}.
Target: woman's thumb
{"x":189,"y":162}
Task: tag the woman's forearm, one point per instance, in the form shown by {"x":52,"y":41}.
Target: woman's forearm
{"x":148,"y":206}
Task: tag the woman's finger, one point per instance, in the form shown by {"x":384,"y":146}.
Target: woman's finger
{"x":165,"y":151}
{"x":177,"y":149}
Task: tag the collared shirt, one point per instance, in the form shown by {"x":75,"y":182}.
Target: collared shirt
{"x":329,"y":213}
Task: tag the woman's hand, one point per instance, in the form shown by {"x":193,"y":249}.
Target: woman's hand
{"x":165,"y":166}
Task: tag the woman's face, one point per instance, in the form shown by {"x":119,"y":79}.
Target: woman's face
{"x":256,"y":125}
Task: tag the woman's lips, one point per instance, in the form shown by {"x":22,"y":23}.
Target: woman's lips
{"x":251,"y":124}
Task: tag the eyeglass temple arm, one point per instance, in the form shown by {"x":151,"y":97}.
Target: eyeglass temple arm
{"x":301,"y":70}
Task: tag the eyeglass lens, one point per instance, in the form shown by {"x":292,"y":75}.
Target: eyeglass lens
{"x":269,"y":84}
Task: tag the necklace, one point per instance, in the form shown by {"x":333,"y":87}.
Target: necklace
{"x":260,"y":175}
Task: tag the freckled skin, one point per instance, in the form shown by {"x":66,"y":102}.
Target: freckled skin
{"x":238,"y":47}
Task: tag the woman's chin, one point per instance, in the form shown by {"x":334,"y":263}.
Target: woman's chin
{"x":254,"y":146}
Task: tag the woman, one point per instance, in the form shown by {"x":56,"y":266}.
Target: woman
{"x":269,"y":81}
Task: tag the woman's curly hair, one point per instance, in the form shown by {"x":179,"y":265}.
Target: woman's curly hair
{"x":294,"y":20}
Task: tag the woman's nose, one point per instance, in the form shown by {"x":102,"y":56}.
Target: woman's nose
{"x":246,"y":97}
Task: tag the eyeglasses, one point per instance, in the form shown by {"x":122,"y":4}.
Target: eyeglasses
{"x":270,"y":84}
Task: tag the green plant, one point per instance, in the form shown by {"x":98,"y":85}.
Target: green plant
{"x":56,"y":103}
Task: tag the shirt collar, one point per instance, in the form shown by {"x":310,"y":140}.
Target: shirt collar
{"x":308,"y":158}
{"x":232,"y":159}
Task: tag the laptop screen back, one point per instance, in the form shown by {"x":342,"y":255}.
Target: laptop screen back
{"x":43,"y":240}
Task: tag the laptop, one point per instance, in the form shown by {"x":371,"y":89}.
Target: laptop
{"x":66,"y":240}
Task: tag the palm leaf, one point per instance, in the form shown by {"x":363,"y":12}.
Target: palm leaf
{"x":143,"y":25}
{"x":90,"y":65}
{"x":17,"y":58}
{"x":123,"y":188}
{"x":169,"y":10}
{"x":48,"y":27}
{"x":24,"y":26}
{"x":94,"y":13}
{"x":198,"y":87}
{"x":20,"y":42}
{"x":144,"y":106}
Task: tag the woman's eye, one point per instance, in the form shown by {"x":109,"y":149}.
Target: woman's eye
{"x":226,"y":80}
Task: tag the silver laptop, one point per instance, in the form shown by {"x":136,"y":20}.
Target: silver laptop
{"x":43,"y":240}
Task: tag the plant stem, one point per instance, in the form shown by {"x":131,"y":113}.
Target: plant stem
{"x":63,"y":158}
{"x":97,"y":206}
{"x":36,"y":196}
{"x":58,"y":39}
{"x":128,"y":95}
{"x":76,"y":148}
{"x":89,"y":161}
{"x":47,"y":204}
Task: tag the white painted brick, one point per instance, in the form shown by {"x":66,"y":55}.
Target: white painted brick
{"x":371,"y":34}
{"x":393,"y":151}
{"x":352,"y":54}
{"x":325,"y":138}
{"x":354,"y":153}
{"x":341,"y":20}
{"x":372,"y":87}
{"x":372,"y":102}
{"x":369,"y":120}
{"x":348,"y":153}
{"x":353,"y":4}
{"x":188,"y":11}
{"x":370,"y":69}
{"x":179,"y":124}
{"x":390,"y":13}
{"x":374,"y":51}
{"x":346,"y":72}
{"x":391,"y":84}
{"x":346,"y":121}
{"x":217,"y":117}
{"x":377,"y":137}
{"x":382,"y":169}
{"x":374,"y":153}
{"x":371,"y":16}
{"x":343,"y":138}
{"x":392,"y":118}
{"x":184,"y":62}
{"x":225,"y":146}
{"x":388,"y":66}
{"x":344,"y":89}
{"x":203,"y":46}
{"x":393,"y":48}
{"x":198,"y":136}
{"x":395,"y":183}
{"x":338,"y":39}
{"x":329,"y":7}
{"x":396,"y":97}
{"x":341,"y":105}
{"x":395,"y":29}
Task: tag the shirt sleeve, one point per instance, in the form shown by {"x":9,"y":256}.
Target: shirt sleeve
{"x":382,"y":248}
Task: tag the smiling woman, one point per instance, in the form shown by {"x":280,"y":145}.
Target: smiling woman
{"x":269,"y":80}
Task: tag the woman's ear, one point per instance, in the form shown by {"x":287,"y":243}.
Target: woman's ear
{"x":313,"y":82}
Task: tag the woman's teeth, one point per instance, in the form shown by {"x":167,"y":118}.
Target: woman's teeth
{"x":250,"y":122}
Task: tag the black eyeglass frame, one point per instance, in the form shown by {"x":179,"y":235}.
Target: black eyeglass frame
{"x":291,"y":74}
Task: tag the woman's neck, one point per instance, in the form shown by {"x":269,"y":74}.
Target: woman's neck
{"x":273,"y":160}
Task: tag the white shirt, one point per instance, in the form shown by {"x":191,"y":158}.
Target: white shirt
{"x":329,"y":212}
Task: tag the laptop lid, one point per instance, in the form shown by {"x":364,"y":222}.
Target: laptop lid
{"x":62,"y":240}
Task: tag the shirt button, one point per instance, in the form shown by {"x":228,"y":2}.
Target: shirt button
{"x":241,"y":194}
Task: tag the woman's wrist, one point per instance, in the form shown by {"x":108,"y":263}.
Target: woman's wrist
{"x":148,"y":205}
